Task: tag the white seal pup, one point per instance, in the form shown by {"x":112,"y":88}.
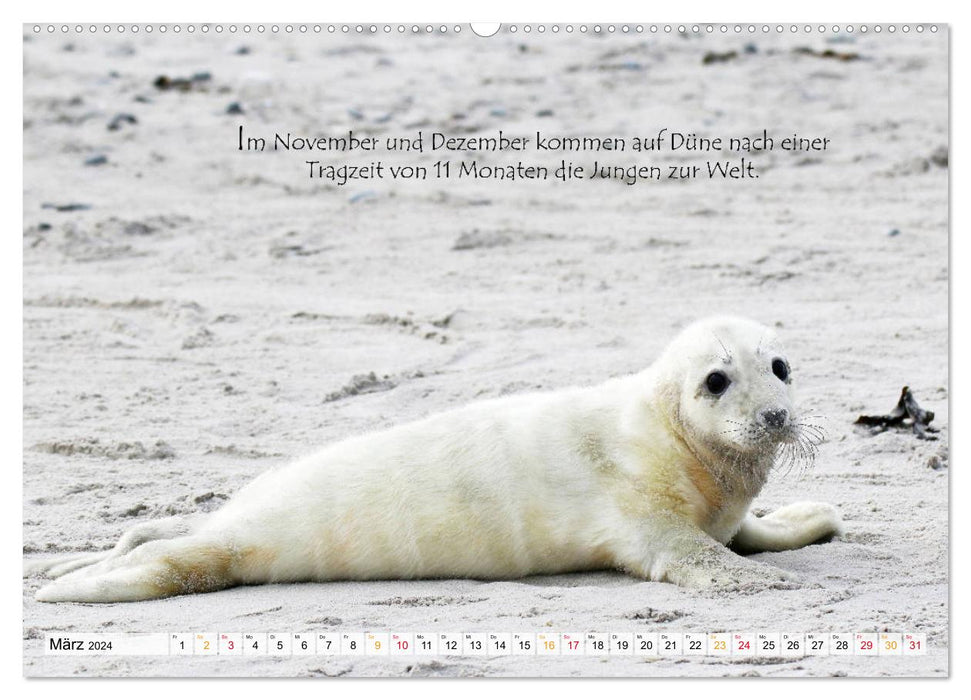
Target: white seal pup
{"x":651,"y":473}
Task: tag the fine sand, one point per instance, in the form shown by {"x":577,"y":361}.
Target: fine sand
{"x":207,"y":314}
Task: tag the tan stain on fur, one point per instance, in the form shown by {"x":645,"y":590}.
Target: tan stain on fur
{"x":211,"y":568}
{"x":602,"y":557}
{"x":251,"y":564}
{"x":540,"y":541}
{"x":706,"y":485}
{"x":591,"y":449}
{"x":200,"y":570}
{"x":331,"y":554}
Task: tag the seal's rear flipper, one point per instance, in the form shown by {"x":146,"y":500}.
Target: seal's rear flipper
{"x":163,"y":529}
{"x":58,"y":566}
{"x":156,"y":570}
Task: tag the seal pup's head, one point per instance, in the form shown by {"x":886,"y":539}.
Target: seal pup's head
{"x":730,"y":383}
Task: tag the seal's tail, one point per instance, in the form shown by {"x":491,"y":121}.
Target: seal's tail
{"x":156,"y":569}
{"x":164,"y":529}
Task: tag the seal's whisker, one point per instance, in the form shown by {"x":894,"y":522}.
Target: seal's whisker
{"x":799,"y":450}
{"x":728,"y":355}
{"x":813,"y":438}
{"x":810,"y":431}
{"x":787,"y":459}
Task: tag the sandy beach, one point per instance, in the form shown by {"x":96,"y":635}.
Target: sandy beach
{"x":195,"y":314}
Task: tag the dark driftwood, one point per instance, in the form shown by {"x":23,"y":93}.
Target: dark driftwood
{"x":907,"y":413}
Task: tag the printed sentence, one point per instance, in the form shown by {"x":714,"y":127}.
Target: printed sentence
{"x":674,"y":141}
{"x":740,"y":169}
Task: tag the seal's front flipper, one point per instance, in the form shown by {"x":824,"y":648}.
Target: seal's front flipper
{"x":791,"y":527}
{"x":716,"y":567}
{"x":688,"y":557}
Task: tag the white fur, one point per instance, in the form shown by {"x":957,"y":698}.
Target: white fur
{"x":617,"y":475}
{"x":789,"y":527}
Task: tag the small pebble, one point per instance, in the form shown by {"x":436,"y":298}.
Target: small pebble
{"x":360,"y":196}
{"x":164,"y":82}
{"x":940,"y":157}
{"x":96,"y":160}
{"x":73,"y":206}
{"x":234,"y":108}
{"x":122,"y":118}
{"x":714,"y":57}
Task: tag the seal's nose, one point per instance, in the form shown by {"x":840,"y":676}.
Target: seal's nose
{"x":774,"y":419}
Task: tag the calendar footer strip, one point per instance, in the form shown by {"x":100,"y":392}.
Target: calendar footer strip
{"x":548,"y":644}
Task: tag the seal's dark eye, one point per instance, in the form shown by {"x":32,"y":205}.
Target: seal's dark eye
{"x":780,"y":369}
{"x":717,"y":382}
